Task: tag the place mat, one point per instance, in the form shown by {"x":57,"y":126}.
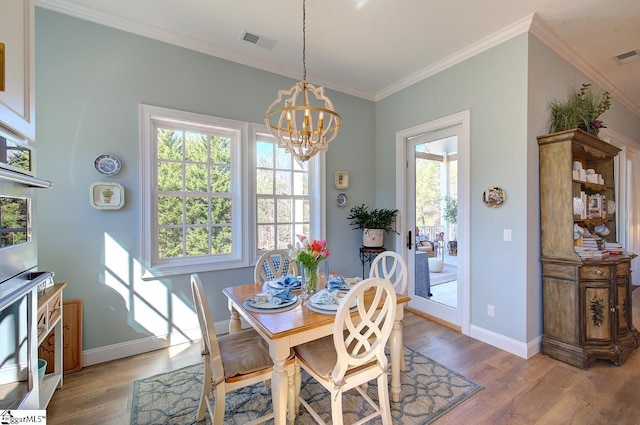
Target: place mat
{"x":286,"y":307}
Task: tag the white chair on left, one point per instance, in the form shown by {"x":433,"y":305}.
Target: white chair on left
{"x":231,"y":362}
{"x":391,"y":266}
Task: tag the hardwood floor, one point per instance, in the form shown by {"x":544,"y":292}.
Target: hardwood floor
{"x":516,"y":391}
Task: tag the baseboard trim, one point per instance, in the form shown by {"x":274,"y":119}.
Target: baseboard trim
{"x":510,"y":345}
{"x":145,"y":345}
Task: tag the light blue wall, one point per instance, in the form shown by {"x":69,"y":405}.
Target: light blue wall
{"x":90,"y":81}
{"x":493,"y":86}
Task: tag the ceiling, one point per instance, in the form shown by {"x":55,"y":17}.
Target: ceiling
{"x":373,"y":48}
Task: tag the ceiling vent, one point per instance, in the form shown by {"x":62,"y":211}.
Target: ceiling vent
{"x":259,"y":40}
{"x":630,"y":56}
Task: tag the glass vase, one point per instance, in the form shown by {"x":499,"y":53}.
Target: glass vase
{"x":311,"y":277}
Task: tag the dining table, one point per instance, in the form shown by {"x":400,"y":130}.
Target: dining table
{"x":285,"y":328}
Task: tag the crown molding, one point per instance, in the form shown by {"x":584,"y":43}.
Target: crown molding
{"x":544,"y":33}
{"x":478,"y":47}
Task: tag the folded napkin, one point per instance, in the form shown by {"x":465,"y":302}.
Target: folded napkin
{"x":337,"y":282}
{"x":288,"y":281}
{"x":325,"y":296}
{"x":279,"y":296}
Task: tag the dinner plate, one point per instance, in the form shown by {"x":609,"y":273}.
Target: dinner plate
{"x":274,"y":284}
{"x":271,"y":306}
{"x":330,"y":307}
{"x":108,"y":165}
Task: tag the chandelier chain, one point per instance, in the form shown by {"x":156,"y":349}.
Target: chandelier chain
{"x":304,"y":40}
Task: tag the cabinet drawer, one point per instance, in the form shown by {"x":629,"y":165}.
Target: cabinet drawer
{"x":622,"y":269}
{"x":595,"y":272}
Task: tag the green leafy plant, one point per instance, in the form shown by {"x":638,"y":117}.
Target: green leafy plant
{"x":107,"y":193}
{"x":362,"y":217}
{"x":581,"y":110}
{"x":450,"y":210}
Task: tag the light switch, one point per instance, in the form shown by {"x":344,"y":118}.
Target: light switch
{"x":507,"y":235}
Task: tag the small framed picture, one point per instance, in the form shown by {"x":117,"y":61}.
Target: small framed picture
{"x":342,"y":180}
{"x":494,"y":197}
{"x":106,"y":196}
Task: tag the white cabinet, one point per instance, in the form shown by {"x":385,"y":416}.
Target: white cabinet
{"x":17,"y":97}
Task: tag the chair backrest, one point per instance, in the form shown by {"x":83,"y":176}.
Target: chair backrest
{"x":360,"y":338}
{"x":273,"y":264}
{"x":209,"y":338}
{"x":391,"y":266}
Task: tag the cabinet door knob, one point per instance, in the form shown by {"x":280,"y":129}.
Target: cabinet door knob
{"x":598,"y":272}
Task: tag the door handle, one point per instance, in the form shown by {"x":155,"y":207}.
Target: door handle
{"x":409,"y":240}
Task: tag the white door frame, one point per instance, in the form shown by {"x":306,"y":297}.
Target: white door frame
{"x":464,"y":171}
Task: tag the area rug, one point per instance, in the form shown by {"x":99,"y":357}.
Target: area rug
{"x":429,"y":390}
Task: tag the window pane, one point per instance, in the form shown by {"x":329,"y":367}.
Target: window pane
{"x":221,"y":243}
{"x":283,"y":183}
{"x":169,"y":210}
{"x":195,"y":178}
{"x":221,"y":211}
{"x":283,"y":159}
{"x":300,"y":184}
{"x":197,"y":241}
{"x":169,"y":176}
{"x":266,"y":210}
{"x":169,"y":144}
{"x":264,"y":154}
{"x":285,"y":213}
{"x":266,"y":237}
{"x":195,"y":147}
{"x":169,"y":243}
{"x":264,"y":182}
{"x":284,"y":236}
{"x":197,"y":209}
{"x":220,"y":150}
{"x":220,"y":179}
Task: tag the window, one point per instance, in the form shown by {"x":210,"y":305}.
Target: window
{"x":288,"y":194}
{"x":196,"y":188}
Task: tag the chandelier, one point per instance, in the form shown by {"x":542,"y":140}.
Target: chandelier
{"x":302,"y":118}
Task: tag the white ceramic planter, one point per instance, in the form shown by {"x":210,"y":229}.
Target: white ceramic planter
{"x":373,"y":238}
{"x":435,"y":266}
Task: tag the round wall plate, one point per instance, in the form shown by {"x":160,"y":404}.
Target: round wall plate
{"x":342,"y":200}
{"x":108,"y":165}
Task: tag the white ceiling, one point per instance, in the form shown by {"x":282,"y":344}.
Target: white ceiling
{"x":372,"y":48}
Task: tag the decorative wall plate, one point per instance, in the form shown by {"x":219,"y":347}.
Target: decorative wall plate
{"x":494,"y":197}
{"x":342,"y":200}
{"x":106,"y":196}
{"x":106,"y":164}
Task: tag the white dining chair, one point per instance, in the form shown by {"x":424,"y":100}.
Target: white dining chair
{"x":391,"y":266}
{"x":273,"y":264}
{"x":354,"y":355}
{"x":231,"y":362}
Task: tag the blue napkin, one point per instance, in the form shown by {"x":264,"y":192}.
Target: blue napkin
{"x":288,"y":281}
{"x":279,"y":296}
{"x":337,"y":282}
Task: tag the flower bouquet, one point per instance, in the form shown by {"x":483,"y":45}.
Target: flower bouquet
{"x":309,"y":253}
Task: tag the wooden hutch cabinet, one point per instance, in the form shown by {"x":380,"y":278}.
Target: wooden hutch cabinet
{"x":586,"y":302}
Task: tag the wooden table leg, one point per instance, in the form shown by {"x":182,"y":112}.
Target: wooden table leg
{"x":395,"y":343}
{"x":280,"y":391}
{"x":235,"y":325}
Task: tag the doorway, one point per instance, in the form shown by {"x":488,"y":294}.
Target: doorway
{"x":433,"y":189}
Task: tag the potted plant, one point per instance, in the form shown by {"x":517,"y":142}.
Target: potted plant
{"x":373,"y":223}
{"x":581,"y":110}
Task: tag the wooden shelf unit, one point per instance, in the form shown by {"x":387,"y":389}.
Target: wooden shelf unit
{"x":50,"y":315}
{"x":586,"y":303}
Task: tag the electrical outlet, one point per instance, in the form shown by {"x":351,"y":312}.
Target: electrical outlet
{"x":506,"y":235}
{"x":491,"y":310}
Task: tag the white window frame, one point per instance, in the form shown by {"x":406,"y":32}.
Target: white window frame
{"x":150,"y":118}
{"x":317,"y":190}
{"x":243,"y":183}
